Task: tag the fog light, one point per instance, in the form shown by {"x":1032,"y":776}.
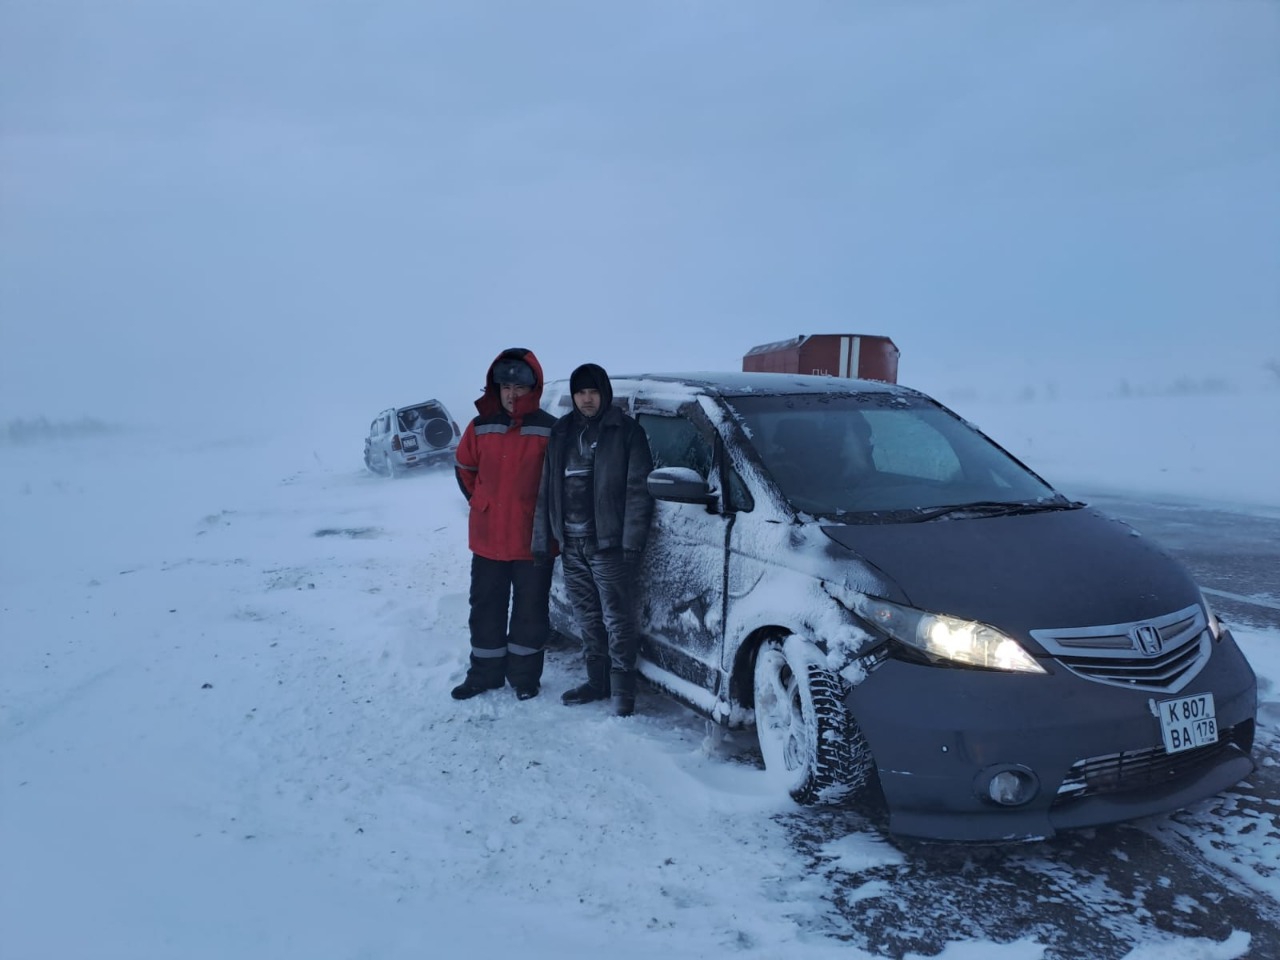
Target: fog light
{"x":1011,"y":786}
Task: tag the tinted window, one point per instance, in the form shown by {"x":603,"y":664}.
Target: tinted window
{"x":834,"y":455}
{"x":910,"y":446}
{"x":676,"y":442}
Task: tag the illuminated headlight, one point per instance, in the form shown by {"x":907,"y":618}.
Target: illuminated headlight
{"x":950,"y":638}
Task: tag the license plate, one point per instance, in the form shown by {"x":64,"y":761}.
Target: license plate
{"x":1188,"y":722}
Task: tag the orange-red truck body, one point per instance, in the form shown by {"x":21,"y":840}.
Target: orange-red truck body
{"x":858,"y":355}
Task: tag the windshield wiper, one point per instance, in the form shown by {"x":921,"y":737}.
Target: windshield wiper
{"x":992,"y":508}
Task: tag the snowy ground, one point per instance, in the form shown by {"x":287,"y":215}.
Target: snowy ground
{"x":225,"y":728}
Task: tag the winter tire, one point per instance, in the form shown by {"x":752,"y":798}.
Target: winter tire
{"x":391,"y":470}
{"x":810,"y":744}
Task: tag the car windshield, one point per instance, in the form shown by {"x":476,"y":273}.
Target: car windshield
{"x":878,"y":457}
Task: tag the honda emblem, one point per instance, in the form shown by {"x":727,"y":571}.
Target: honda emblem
{"x":1148,"y":639}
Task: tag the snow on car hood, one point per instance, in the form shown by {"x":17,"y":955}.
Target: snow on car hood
{"x":1069,"y":568}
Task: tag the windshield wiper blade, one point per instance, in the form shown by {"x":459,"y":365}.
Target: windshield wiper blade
{"x":993,"y":508}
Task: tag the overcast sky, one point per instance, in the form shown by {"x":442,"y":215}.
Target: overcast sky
{"x":348,"y":205}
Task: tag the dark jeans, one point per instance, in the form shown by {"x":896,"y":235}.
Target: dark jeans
{"x":502,"y":651}
{"x":599,"y":587}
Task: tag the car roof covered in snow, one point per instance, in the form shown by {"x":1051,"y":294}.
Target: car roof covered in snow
{"x":740,"y":384}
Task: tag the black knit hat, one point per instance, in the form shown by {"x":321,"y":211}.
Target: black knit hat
{"x":592,"y":376}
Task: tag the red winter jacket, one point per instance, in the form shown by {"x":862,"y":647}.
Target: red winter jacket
{"x":499,"y":466}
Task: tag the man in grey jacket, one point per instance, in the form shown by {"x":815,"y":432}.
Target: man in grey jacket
{"x":594,"y":503}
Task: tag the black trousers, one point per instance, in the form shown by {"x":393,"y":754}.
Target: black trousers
{"x":509,"y":621}
{"x":599,"y":587}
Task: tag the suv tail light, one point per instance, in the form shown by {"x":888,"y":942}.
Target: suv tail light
{"x":395,"y":442}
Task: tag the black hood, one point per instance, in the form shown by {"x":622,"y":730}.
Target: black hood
{"x":592,"y":376}
{"x":1069,"y":568}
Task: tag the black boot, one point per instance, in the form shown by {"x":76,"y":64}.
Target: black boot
{"x":524,"y":673}
{"x":466,"y":690}
{"x":586,"y":693}
{"x":623,"y":684}
{"x":471,"y":687}
{"x":596,"y":687}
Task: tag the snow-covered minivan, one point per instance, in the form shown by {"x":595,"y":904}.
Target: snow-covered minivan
{"x":906,"y":612}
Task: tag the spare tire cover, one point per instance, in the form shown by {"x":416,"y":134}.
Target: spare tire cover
{"x":438,"y":432}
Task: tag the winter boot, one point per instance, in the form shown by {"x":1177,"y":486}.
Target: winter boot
{"x":596,"y":687}
{"x":474,"y":684}
{"x":524,"y":673}
{"x":469,"y":688}
{"x":623,"y":684}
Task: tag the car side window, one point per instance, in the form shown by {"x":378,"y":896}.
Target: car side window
{"x":676,"y":442}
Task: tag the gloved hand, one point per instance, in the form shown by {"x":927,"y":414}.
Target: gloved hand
{"x":541,"y":559}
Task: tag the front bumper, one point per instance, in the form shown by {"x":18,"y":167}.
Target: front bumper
{"x":937,"y":733}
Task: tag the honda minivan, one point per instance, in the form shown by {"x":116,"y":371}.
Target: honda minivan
{"x":908,"y":614}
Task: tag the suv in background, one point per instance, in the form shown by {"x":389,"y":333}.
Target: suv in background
{"x":908,"y":615}
{"x":405,"y":438}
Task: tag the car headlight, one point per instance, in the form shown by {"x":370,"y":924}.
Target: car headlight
{"x":941,"y":637}
{"x":1214,"y":624}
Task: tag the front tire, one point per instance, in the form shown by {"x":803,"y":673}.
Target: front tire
{"x":811,"y":746}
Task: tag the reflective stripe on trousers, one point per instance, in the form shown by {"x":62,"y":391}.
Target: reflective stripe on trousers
{"x":511,"y":648}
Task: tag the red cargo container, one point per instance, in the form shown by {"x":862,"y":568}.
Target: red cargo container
{"x":828,"y":355}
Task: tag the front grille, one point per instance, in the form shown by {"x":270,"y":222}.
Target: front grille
{"x":1152,"y":767}
{"x":1112,"y":654}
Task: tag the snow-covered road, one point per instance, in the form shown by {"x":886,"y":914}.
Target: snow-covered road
{"x":225,"y":730}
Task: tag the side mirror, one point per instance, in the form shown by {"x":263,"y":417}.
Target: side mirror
{"x":679,"y":485}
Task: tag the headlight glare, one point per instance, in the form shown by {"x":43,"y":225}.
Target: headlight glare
{"x":950,"y":638}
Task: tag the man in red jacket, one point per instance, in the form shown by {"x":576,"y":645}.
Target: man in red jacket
{"x":499,"y":467}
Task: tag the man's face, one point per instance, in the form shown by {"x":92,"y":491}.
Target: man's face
{"x":510,"y":393}
{"x":587,"y":401}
